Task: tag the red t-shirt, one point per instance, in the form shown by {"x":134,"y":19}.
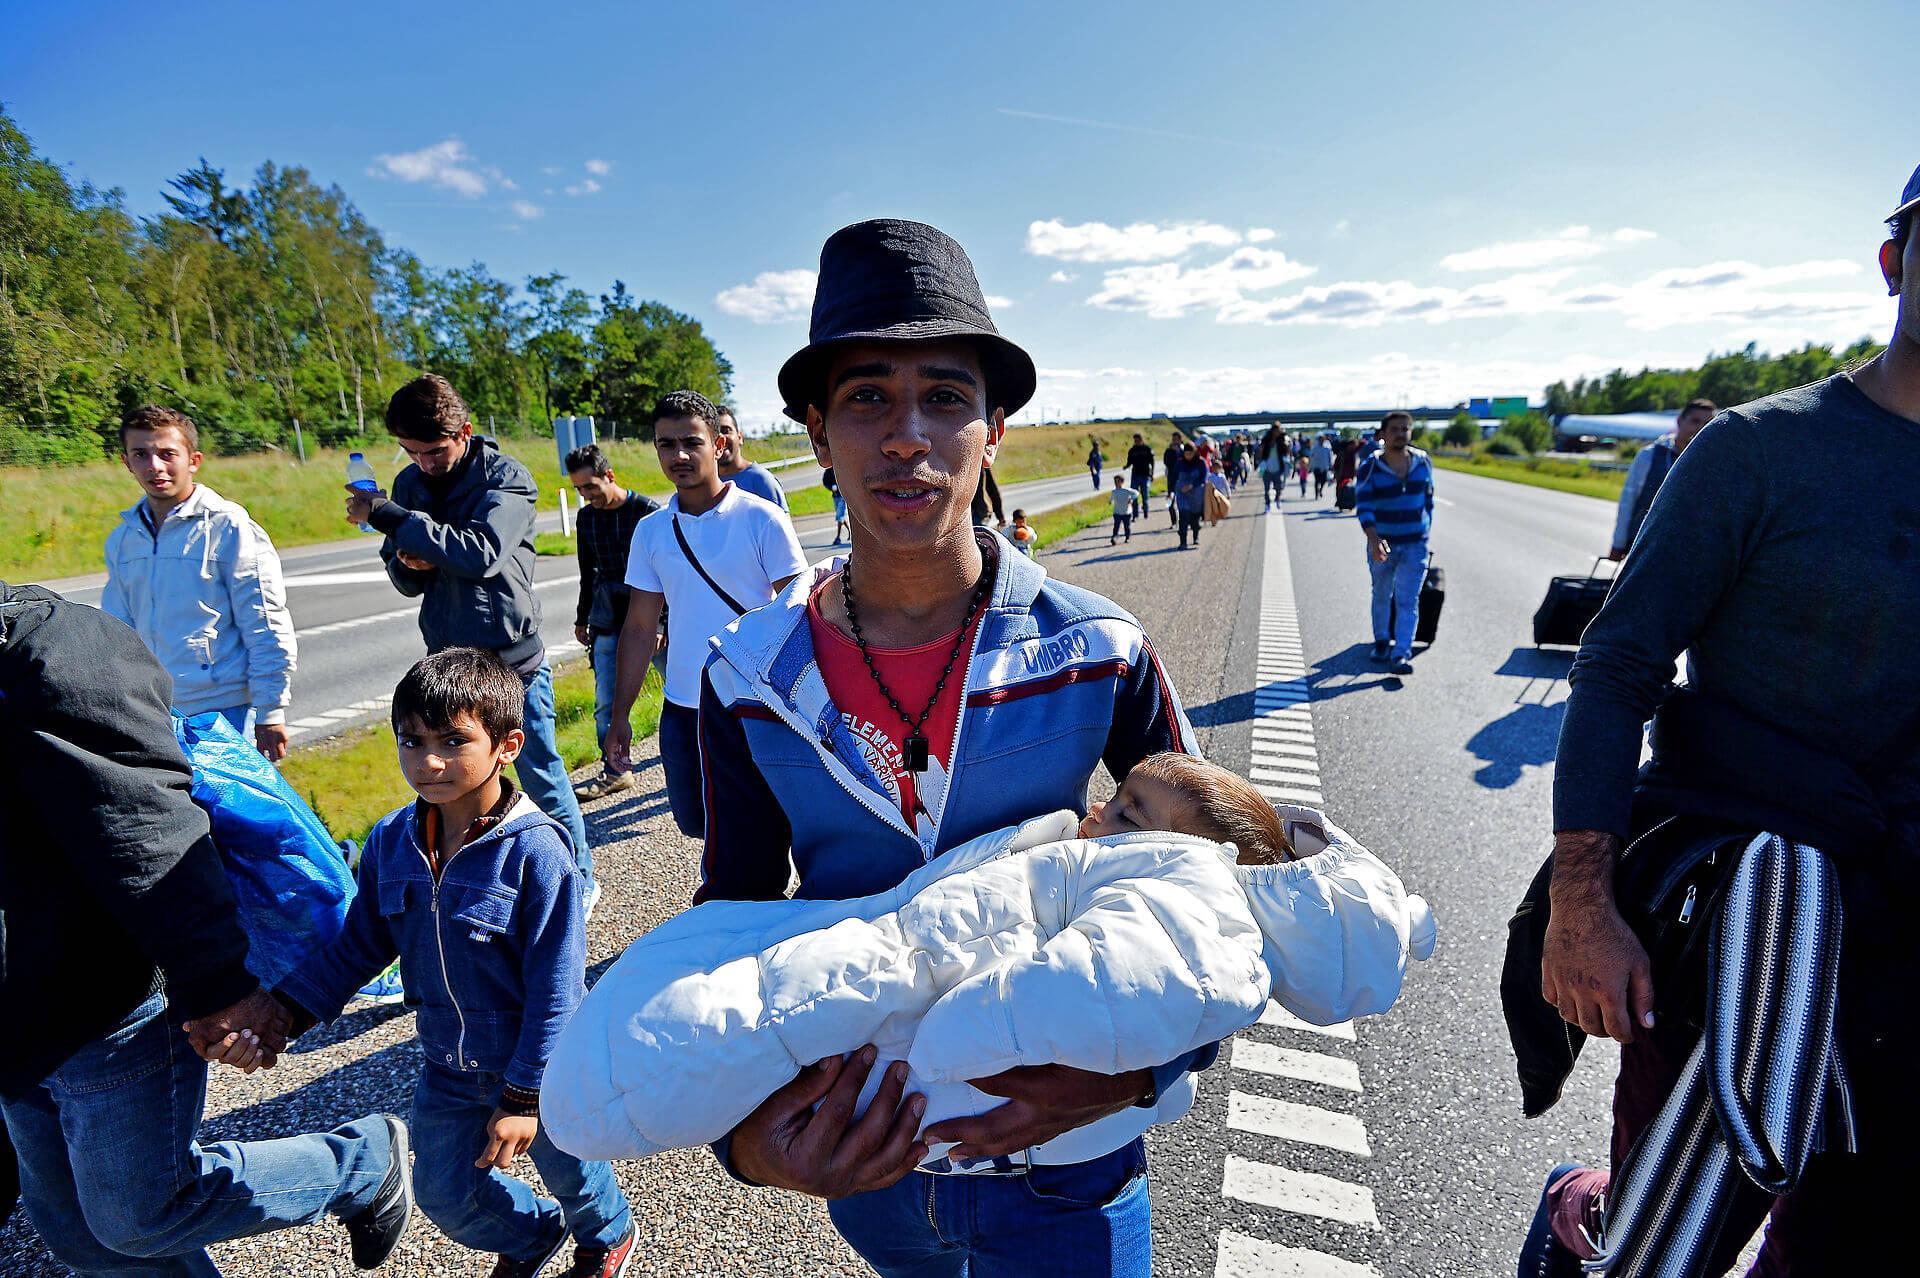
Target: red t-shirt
{"x":910,"y":674}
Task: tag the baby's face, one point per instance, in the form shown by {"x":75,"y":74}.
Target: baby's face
{"x":1142,"y":803}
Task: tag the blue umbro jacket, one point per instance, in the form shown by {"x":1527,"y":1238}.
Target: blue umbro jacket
{"x":1060,"y":680}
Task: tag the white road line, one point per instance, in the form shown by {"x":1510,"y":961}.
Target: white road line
{"x":1307,"y":1193}
{"x":353,"y":623}
{"x":1292,"y":794}
{"x":334,"y":578}
{"x":1272,"y":746}
{"x":1244,"y":1257}
{"x":1287,"y":1062}
{"x":1281,"y":1018}
{"x":1288,"y":1120}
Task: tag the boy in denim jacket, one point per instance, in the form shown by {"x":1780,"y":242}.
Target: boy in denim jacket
{"x":478,"y":893}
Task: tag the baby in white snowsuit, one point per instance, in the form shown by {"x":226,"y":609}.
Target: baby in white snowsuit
{"x":1107,"y":944}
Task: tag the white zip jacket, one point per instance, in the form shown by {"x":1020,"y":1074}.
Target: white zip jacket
{"x":1026,"y":946}
{"x":204,"y":594}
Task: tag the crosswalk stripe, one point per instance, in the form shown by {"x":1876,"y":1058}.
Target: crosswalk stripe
{"x":1287,"y":1062}
{"x":1243,"y":1257}
{"x":1306,"y":1193}
{"x":1280,"y":1018}
{"x":1291,"y":794}
{"x":1295,"y":775}
{"x":1278,"y":747}
{"x":1289,"y":1120}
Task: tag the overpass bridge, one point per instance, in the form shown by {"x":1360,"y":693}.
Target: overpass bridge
{"x":1312,"y":418}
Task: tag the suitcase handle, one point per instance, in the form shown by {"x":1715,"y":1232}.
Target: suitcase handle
{"x":1602,"y":559}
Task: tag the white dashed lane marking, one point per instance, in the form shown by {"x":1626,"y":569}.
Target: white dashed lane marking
{"x":333,"y":720}
{"x":1285,"y":767}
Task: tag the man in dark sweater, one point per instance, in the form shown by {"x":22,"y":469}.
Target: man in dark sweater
{"x":1799,"y":616}
{"x":459,"y":537}
{"x":603,"y":536}
{"x":1140,"y":464}
{"x":117,"y":925}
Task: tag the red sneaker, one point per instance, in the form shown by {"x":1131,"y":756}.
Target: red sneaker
{"x":603,"y":1262}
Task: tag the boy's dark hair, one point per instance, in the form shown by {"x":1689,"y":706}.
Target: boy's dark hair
{"x":1019,"y":514}
{"x":1708,"y":405}
{"x":589,"y":457}
{"x":726,"y":411}
{"x":1397,"y":415}
{"x":457,"y":681}
{"x":427,"y":409}
{"x":154,"y":417}
{"x":685,"y":403}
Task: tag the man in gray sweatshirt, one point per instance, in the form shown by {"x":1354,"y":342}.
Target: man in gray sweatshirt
{"x":1800,"y":616}
{"x":459,"y":538}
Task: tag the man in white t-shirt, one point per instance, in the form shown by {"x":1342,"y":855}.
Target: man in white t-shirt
{"x":713,"y":552}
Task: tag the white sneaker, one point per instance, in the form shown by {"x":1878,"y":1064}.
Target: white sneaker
{"x":593,"y":895}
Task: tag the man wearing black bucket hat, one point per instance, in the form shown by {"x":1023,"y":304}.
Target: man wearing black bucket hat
{"x":1799,"y":716}
{"x":929,"y":687}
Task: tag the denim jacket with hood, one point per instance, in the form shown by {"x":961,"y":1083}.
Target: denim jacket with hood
{"x":493,"y":956}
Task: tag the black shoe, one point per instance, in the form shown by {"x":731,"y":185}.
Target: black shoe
{"x":1380,"y":649}
{"x":1400,"y":666}
{"x":507,"y":1268}
{"x":376,"y":1231}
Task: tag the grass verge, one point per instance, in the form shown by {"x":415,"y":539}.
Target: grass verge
{"x":1561,"y":476}
{"x":54,"y":521}
{"x":353,"y":780}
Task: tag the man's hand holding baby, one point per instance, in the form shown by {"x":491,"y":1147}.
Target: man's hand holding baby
{"x":1043,"y":1101}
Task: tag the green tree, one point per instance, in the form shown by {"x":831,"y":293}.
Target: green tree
{"x":557,"y":344}
{"x":1462,"y":430}
{"x":641,"y":350}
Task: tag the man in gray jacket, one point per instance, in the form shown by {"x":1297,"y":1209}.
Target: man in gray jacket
{"x":199,"y":582}
{"x":1649,"y":471}
{"x":459,"y":537}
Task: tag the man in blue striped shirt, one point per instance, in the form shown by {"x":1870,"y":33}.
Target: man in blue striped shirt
{"x":1393,"y":495}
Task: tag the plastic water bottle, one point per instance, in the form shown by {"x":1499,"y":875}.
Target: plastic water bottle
{"x":360,"y":475}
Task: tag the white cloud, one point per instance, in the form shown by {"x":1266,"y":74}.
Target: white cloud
{"x":1062,"y":277}
{"x":444,"y":164}
{"x":1135,"y":242}
{"x":526,"y":210}
{"x":552,"y":170}
{"x":1341,"y":227}
{"x":997,"y":302}
{"x":1719,"y":293}
{"x":772,"y":297}
{"x":1261,"y":234}
{"x":1168,"y":290}
{"x":585,"y":186}
{"x":1573,"y":244}
{"x":599,"y":168}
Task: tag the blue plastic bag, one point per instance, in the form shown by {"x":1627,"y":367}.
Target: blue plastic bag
{"x":288,"y":876}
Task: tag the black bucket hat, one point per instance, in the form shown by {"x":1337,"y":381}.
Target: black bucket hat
{"x":893,"y":281}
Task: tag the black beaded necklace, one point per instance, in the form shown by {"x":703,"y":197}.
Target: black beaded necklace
{"x":915,"y":747}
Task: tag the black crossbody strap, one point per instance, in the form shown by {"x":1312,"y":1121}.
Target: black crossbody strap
{"x":713,"y":585}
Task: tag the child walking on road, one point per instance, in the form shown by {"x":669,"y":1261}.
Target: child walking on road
{"x":477,"y":892}
{"x":1124,"y":500}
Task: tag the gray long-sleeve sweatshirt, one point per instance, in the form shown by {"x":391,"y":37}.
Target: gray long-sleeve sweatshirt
{"x":1783,"y":554}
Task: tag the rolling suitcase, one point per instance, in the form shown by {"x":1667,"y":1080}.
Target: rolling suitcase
{"x":1433,"y":597}
{"x":1343,"y":498}
{"x":1570,"y":605}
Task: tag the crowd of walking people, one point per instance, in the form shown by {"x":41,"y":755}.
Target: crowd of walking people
{"x":825,"y":738}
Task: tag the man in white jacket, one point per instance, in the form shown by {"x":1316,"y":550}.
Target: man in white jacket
{"x":199,"y":582}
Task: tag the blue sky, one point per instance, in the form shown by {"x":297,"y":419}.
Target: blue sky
{"x":1202,"y":207}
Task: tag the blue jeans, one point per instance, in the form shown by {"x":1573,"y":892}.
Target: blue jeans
{"x":115,"y":1182}
{"x":1142,"y":484}
{"x":604,"y":656}
{"x":680,"y":760}
{"x":1396,"y":595}
{"x":1273,"y":485}
{"x":486,"y":1209}
{"x":543,"y":776}
{"x":1076,"y":1221}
